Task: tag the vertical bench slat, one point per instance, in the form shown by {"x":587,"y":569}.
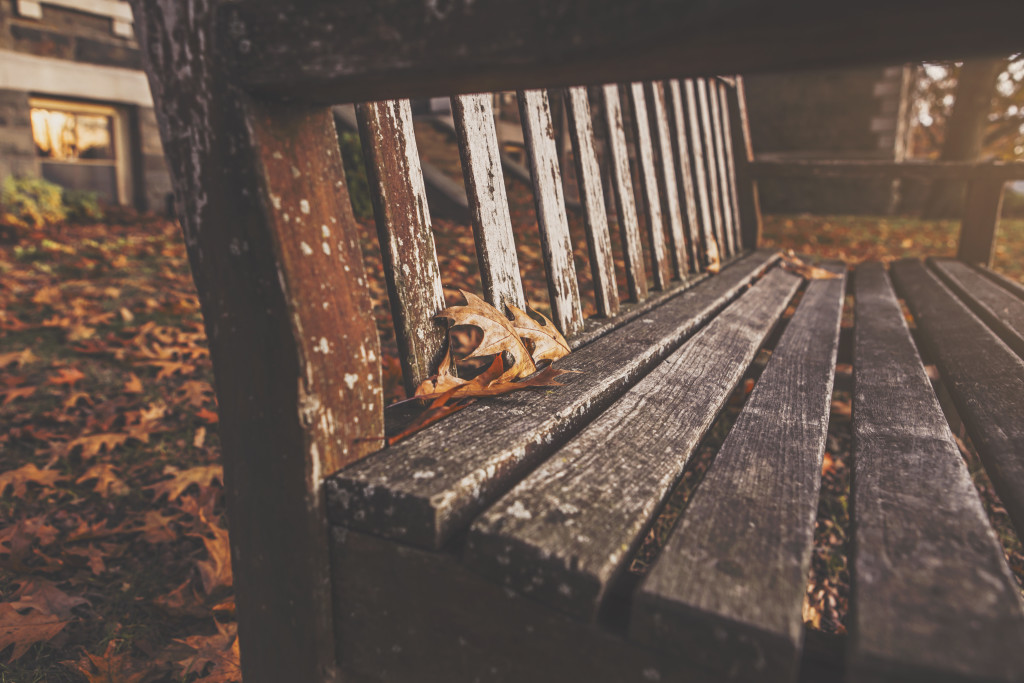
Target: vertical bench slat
{"x":711,"y":158}
{"x":668,"y":186}
{"x":685,"y":173}
{"x":485,"y":188}
{"x":732,"y":195}
{"x":700,"y":169}
{"x":556,"y":244}
{"x":934,"y":598}
{"x":724,"y":193}
{"x":729,"y":583}
{"x":622,"y":184}
{"x":588,"y":179}
{"x":649,"y":185}
{"x":563,"y":534}
{"x":405,"y":235}
{"x":746,"y":187}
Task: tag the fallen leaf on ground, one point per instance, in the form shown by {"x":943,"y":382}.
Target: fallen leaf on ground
{"x":66,"y":376}
{"x":107,"y":481}
{"x":93,"y":444}
{"x":25,"y":630}
{"x":216,"y":571}
{"x":111,"y":666}
{"x":20,"y":478}
{"x":16,"y":393}
{"x":133,"y":385}
{"x":17,"y":358}
{"x":202,"y":476}
{"x":44,"y":597}
{"x":219,"y":650}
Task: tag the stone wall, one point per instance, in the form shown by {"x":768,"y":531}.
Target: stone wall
{"x":17,"y":151}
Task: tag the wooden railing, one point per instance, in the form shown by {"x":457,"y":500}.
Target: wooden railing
{"x":982,"y":205}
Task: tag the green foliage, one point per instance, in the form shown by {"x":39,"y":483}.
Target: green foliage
{"x":82,"y":206}
{"x":355,"y":174}
{"x":30,"y":203}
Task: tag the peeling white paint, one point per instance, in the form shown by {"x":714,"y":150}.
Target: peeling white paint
{"x":306,"y":249}
{"x":350,"y":379}
{"x":304,"y":206}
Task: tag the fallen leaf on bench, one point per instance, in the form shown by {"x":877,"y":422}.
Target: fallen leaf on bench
{"x":714,"y":258}
{"x":806,"y":270}
{"x":499,"y":335}
{"x":548,"y":343}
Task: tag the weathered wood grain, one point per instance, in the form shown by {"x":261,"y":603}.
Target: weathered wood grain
{"x":711,"y":161}
{"x":588,"y":178}
{"x":417,"y":616}
{"x":700,"y":169}
{"x":654,"y":219}
{"x":426,"y":488}
{"x":730,"y":166}
{"x":746,"y":184}
{"x":983,"y":375}
{"x":729,"y":584}
{"x":254,"y":181}
{"x":684,"y":171}
{"x":485,"y":188}
{"x":982,"y":206}
{"x":622,"y":185}
{"x":933,"y":597}
{"x":1012,"y":286}
{"x":334,"y":52}
{"x":668,"y":186}
{"x":548,"y":197}
{"x":1001,"y":310}
{"x":724,"y":192}
{"x":565,"y":532}
{"x":405,"y":235}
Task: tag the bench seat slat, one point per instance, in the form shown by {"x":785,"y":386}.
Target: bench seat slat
{"x":556,"y":245}
{"x":588,"y":178}
{"x":934,"y":598}
{"x":700,"y":168}
{"x":724,"y":193}
{"x":622,"y":186}
{"x":564,"y":533}
{"x":654,"y":218}
{"x":984,"y":376}
{"x":684,"y":171}
{"x":729,"y":583}
{"x":485,"y":189}
{"x":404,"y":232}
{"x":668,"y":185}
{"x":425,"y":489}
{"x":1001,"y":310}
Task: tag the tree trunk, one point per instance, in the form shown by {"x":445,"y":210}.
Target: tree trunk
{"x":965,"y":132}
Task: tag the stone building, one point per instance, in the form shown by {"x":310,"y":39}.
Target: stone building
{"x":75,"y":106}
{"x":835,"y":114}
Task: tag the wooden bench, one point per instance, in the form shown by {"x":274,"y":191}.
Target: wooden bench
{"x":493,"y":545}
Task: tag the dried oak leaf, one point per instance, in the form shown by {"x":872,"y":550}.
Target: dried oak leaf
{"x":44,"y":597}
{"x":111,"y":666}
{"x":93,"y":444}
{"x":216,"y":571}
{"x":23,"y":630}
{"x":17,"y":358}
{"x":20,"y":478}
{"x":16,"y":393}
{"x":203,"y":476}
{"x":547,"y":342}
{"x":805,"y":270}
{"x":66,"y":376}
{"x":183,"y":601}
{"x":107,"y":481}
{"x":499,"y":335}
{"x":219,"y":650}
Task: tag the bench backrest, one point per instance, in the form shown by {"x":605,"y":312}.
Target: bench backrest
{"x":242,"y":92}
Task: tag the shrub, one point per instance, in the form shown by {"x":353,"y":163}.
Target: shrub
{"x":82,"y":206}
{"x":355,"y":174}
{"x":30,"y":203}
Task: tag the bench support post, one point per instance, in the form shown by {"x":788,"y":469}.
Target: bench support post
{"x":746,"y":185}
{"x":982,"y":206}
{"x":273,"y":247}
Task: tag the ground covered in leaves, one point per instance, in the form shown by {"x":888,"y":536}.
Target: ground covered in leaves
{"x":114,"y":561}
